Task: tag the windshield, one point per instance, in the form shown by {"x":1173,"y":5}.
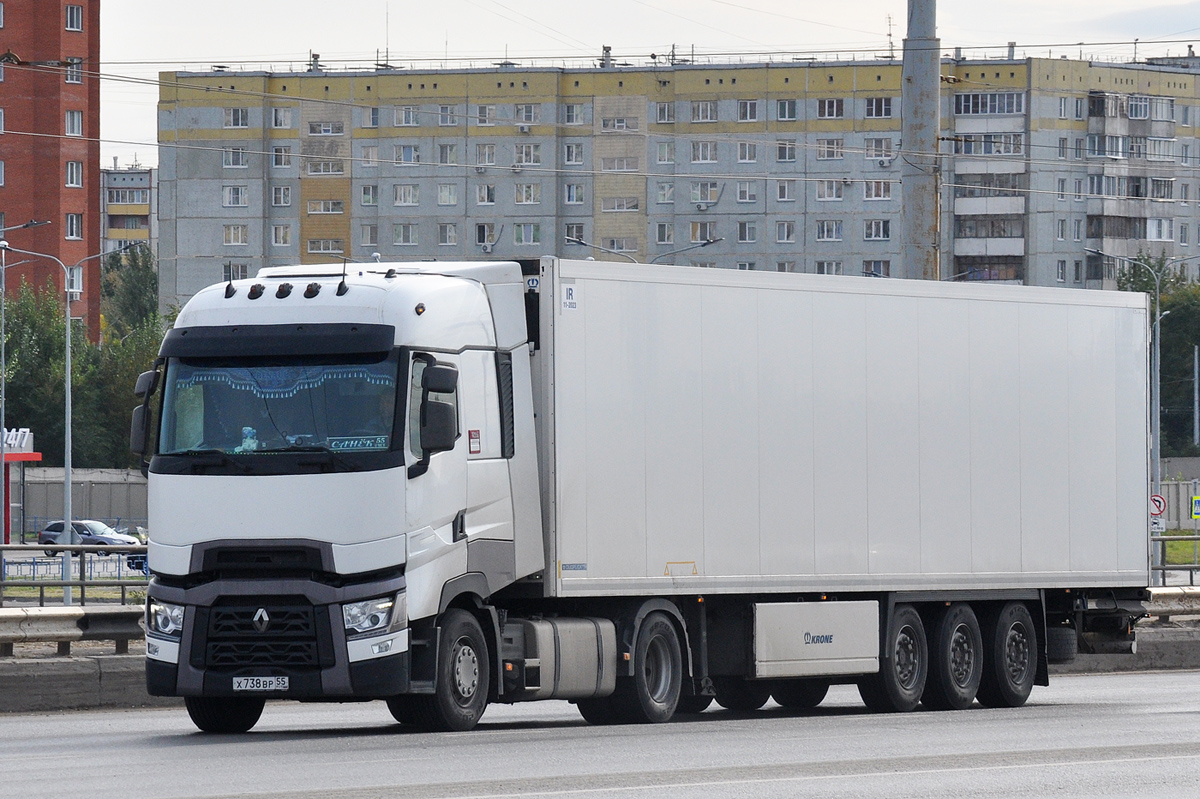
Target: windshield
{"x":255,"y":405}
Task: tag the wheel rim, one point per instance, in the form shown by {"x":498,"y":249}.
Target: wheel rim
{"x":962,"y":656}
{"x":657,"y":669}
{"x":907,"y":657}
{"x":1016,"y":654}
{"x":466,"y":670}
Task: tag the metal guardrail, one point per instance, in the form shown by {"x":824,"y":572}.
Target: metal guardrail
{"x":27,"y":566}
{"x":118,"y":623}
{"x":1183,"y":600}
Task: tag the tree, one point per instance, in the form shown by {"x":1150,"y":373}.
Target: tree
{"x":128,"y":289}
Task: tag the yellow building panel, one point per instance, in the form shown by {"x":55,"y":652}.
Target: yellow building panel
{"x":128,"y":209}
{"x":126,"y":234}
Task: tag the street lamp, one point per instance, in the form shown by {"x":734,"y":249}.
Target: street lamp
{"x":654,"y":260}
{"x":571,"y":240}
{"x":68,"y":527}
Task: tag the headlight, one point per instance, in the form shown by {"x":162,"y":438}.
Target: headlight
{"x":164,"y":619}
{"x":373,"y":616}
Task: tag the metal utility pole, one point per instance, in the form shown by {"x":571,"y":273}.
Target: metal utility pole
{"x":920,"y":126}
{"x":1196,"y":395}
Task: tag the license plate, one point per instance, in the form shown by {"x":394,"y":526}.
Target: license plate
{"x":260,"y":683}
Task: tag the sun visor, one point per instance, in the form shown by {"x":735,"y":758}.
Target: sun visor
{"x":293,"y":339}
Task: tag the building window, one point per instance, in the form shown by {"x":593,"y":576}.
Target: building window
{"x":785,"y":191}
{"x":234,"y":158}
{"x":527,"y":154}
{"x":485,"y":154}
{"x":281,"y":235}
{"x":664,"y":112}
{"x":785,"y":232}
{"x":448,"y":154}
{"x":370,"y":117}
{"x":370,"y":156}
{"x":621,"y":245}
{"x":408,"y":154}
{"x":1078,"y":227}
{"x":574,"y":230}
{"x":989,"y":143}
{"x":526,"y":113}
{"x":527,"y":233}
{"x":447,"y":194}
{"x":369,"y":235}
{"x":1,"y":184}
{"x":620,"y":204}
{"x":485,"y":194}
{"x":1061,"y":272}
{"x":666,"y":152}
{"x":879,"y":107}
{"x":877,"y":230}
{"x":1160,"y":230}
{"x":877,"y":148}
{"x":325,"y":167}
{"x":877,"y":190}
{"x":666,"y":193}
{"x":406,"y":194}
{"x":785,"y":150}
{"x":829,"y":190}
{"x":447,"y":115}
{"x":1063,"y":146}
{"x":1062,"y":188}
{"x":404,"y":235}
{"x":485,"y":233}
{"x":572,"y":153}
{"x":527,"y":193}
{"x":72,"y":127}
{"x":281,"y":156}
{"x":127,"y":197}
{"x":1183,"y":235}
{"x":74,"y":226}
{"x":1063,"y":102}
{"x":447,"y":234}
{"x":1061,"y":226}
{"x":831,"y":108}
{"x":618,"y":123}
{"x":704,"y":111}
{"x":785,"y":110}
{"x":990,"y":103}
{"x":785,"y":266}
{"x":664,"y":233}
{"x":829,"y":267}
{"x":232,"y":271}
{"x":747,"y":191}
{"x":1078,"y":271}
{"x":705,"y":191}
{"x":485,"y":115}
{"x":407,"y":116}
{"x":326,"y":207}
{"x":237,"y":117}
{"x":747,"y":152}
{"x":745,"y":266}
{"x":573,"y":114}
{"x":75,"y":174}
{"x":829,"y":230}
{"x":573,"y":194}
{"x":236,"y":235}
{"x":703,"y":231}
{"x":1079,"y":108}
{"x":830,"y":149}
{"x":1078,"y":189}
{"x":370,"y":195}
{"x":281,"y":117}
{"x":626,"y":164}
{"x":747,"y":110}
{"x":877,"y":268}
{"x":74,"y":18}
{"x":73,"y":72}
{"x":281,"y":196}
{"x":704,"y":152}
{"x":332,"y":246}
{"x":234,"y":196}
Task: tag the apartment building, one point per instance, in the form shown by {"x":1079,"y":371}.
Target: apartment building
{"x":50,"y":151}
{"x":128,"y":207}
{"x":770,"y":166}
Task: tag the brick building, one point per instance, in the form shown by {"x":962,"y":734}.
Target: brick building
{"x":50,"y":149}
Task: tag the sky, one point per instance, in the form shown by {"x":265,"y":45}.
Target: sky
{"x":140,"y":38}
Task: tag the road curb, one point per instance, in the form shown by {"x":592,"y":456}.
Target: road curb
{"x":1158,"y":649}
{"x":32,"y":685}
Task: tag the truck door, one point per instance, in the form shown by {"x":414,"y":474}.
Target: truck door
{"x":436,"y":494}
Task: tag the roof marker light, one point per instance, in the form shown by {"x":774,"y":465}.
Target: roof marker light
{"x":284,"y":290}
{"x":313,"y":290}
{"x":420,"y":309}
{"x":256,"y":291}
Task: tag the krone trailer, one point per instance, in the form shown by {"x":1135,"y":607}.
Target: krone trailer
{"x":637,"y":488}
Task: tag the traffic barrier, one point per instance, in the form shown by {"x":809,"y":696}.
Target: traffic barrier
{"x":117,"y":623}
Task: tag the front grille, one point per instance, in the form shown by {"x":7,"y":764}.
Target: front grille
{"x":230,"y":654}
{"x":238,"y":622}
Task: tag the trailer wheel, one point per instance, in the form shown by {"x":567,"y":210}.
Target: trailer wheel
{"x":903,"y":665}
{"x":735,"y":693}
{"x":800,"y":694}
{"x":696,"y":703}
{"x":463,"y":677}
{"x":652,"y":693}
{"x":955,"y":659}
{"x":1010,"y":652}
{"x":228,"y":714}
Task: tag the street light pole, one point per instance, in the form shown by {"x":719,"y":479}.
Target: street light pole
{"x":697,"y":246}
{"x":581,"y":242}
{"x":68,"y":525}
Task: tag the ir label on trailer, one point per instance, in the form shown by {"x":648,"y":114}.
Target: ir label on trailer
{"x":570,"y":298}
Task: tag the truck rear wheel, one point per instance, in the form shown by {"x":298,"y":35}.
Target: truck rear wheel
{"x":463,"y":677}
{"x":800,"y":694}
{"x":735,"y":693}
{"x":1010,"y":653}
{"x":955,"y":659}
{"x":652,"y":693}
{"x":228,"y":714}
{"x":903,"y":665}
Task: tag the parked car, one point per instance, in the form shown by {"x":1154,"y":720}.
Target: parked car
{"x":90,"y":532}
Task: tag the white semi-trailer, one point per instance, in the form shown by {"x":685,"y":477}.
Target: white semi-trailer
{"x":637,"y":488}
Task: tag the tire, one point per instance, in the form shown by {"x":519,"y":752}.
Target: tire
{"x":463,"y":677}
{"x":224,"y":714}
{"x":403,"y":708}
{"x":735,"y":693}
{"x":49,"y":553}
{"x":693,"y":704}
{"x":601,"y":710}
{"x":955,"y":659}
{"x":800,"y":694}
{"x":1062,"y":644}
{"x":903,"y":665}
{"x":652,"y":693}
{"x":1010,"y":655}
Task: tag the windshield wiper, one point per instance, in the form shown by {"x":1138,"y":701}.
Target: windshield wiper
{"x":206,"y":458}
{"x":324,"y":455}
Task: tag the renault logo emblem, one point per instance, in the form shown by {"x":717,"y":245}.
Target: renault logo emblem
{"x":261,"y":620}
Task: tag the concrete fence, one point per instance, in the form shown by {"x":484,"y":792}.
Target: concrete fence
{"x":104,"y":494}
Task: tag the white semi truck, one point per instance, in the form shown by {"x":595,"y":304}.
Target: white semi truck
{"x":637,"y":488}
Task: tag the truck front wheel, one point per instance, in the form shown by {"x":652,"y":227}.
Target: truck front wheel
{"x":903,"y":665}
{"x":463,"y":677}
{"x":229,"y":714}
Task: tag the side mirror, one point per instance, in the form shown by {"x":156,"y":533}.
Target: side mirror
{"x":137,"y":431}
{"x":439,"y":428}
{"x":146,"y":384}
{"x":439,"y":379}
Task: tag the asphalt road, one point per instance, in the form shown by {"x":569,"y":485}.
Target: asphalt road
{"x":1086,"y":736}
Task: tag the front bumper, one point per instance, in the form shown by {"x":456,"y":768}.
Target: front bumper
{"x":303,"y":639}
